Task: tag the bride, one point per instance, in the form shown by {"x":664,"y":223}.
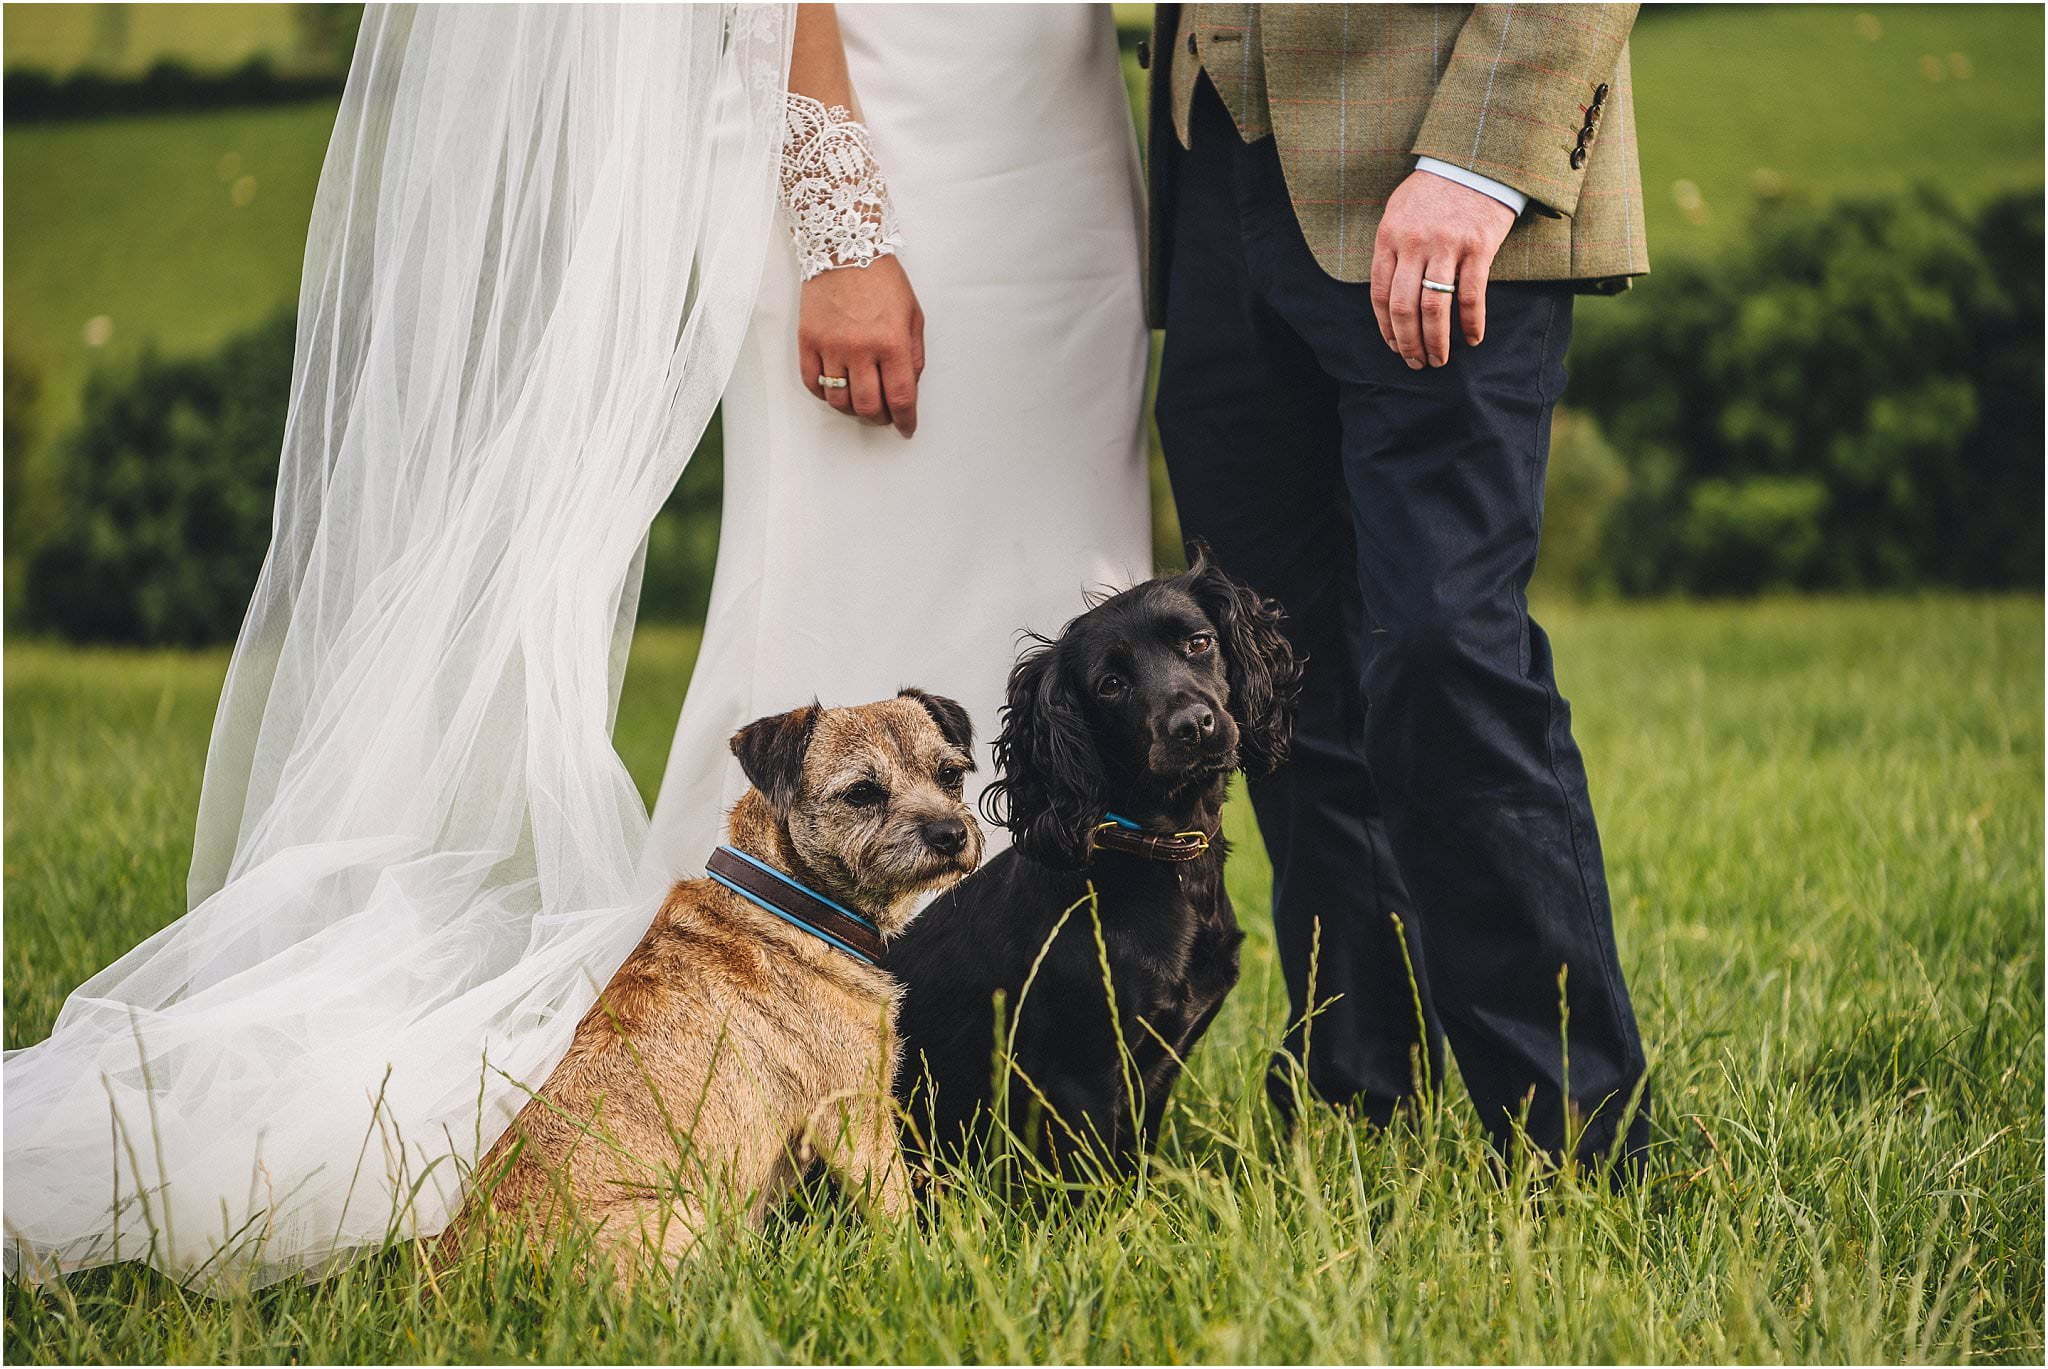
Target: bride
{"x":539,"y":256}
{"x":998,"y":141}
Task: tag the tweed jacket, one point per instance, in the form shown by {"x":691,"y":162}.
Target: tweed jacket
{"x":1534,"y":96}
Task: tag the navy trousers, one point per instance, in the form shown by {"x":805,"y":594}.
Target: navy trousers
{"x":1434,"y":787}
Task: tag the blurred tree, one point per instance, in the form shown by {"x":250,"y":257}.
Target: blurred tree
{"x":166,"y":497}
{"x":1999,"y":481}
{"x":326,"y":35}
{"x":1850,"y":399}
{"x":163,"y":505}
{"x":19,"y":401}
{"x":682,"y":544}
{"x":1585,"y":481}
{"x":20,"y":434}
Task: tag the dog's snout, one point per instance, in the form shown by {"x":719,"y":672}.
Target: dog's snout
{"x":945,"y":835}
{"x":1191,"y":724}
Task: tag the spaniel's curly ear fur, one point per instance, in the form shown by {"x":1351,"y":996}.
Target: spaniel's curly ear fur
{"x":1049,"y":778}
{"x":1264,"y":672}
{"x":771,"y":752}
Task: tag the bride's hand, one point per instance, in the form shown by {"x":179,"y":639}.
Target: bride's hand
{"x":863,"y":323}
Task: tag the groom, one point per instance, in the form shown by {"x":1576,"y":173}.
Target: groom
{"x":1368,"y":226}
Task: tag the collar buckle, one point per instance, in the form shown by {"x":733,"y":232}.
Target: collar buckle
{"x":1118,"y":833}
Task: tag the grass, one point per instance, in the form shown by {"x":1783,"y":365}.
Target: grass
{"x":1828,"y":100}
{"x":1823,"y":822}
{"x":178,"y":229}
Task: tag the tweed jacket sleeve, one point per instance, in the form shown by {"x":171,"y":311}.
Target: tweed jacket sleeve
{"x":1522,"y":96}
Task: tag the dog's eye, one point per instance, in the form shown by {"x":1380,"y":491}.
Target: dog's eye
{"x":1201,"y":644}
{"x":1108,"y":687}
{"x":951,"y":776}
{"x":866,"y":794}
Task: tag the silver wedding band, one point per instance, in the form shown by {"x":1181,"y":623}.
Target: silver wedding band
{"x":833,"y":382}
{"x":1438,"y":286}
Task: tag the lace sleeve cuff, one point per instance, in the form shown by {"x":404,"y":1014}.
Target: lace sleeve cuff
{"x":832,"y":189}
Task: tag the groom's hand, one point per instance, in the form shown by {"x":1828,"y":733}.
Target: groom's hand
{"x":863,"y":323}
{"x":1448,"y":232}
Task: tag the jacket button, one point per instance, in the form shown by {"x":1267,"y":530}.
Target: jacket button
{"x":1191,"y":46}
{"x":1600,"y":95}
{"x":1144,"y":55}
{"x":1578,"y":156}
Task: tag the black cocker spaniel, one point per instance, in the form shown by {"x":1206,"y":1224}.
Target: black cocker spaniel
{"x":1117,"y":745}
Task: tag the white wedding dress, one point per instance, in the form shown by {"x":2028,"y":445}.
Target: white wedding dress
{"x":852,"y":562}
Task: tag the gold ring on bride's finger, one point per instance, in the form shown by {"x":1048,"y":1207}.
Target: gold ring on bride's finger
{"x":833,"y":382}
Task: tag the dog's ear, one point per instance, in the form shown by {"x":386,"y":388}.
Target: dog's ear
{"x":1264,"y":672}
{"x":954,"y":724}
{"x":771,"y":752}
{"x":1049,"y":782}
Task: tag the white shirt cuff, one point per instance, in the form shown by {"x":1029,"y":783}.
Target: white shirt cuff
{"x":1472,"y":180}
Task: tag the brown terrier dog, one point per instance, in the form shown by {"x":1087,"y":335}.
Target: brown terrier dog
{"x":735,"y":1046}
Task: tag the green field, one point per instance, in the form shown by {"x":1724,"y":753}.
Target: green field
{"x":177,"y":230}
{"x":1823,"y":821}
{"x":126,"y":40}
{"x":134,"y":220}
{"x":1829,"y":99}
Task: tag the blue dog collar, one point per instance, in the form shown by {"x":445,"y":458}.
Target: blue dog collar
{"x":770,"y":889}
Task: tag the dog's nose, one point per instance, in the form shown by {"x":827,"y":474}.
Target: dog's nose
{"x":1191,"y":724}
{"x":945,"y":835}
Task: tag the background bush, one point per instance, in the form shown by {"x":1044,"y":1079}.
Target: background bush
{"x":92,"y":63}
{"x":165,"y":497}
{"x":36,"y":95}
{"x":165,"y":492}
{"x":1848,"y":398}
{"x":1586,"y":480}
{"x":21,"y":392}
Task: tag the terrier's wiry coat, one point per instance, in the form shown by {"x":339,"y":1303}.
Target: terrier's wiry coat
{"x":733,"y":1049}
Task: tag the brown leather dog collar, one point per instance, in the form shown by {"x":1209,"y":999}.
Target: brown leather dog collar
{"x":767,"y":887}
{"x":1125,"y":836}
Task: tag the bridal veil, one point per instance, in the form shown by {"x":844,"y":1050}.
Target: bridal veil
{"x":532,"y":259}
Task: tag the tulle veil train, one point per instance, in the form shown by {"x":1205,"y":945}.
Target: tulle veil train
{"x":532,"y":259}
